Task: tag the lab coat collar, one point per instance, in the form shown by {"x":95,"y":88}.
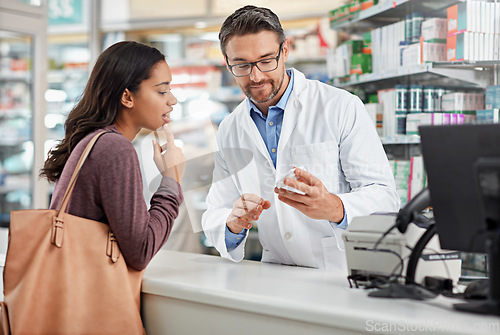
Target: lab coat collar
{"x":292,"y":111}
{"x":291,"y":114}
{"x":251,"y":129}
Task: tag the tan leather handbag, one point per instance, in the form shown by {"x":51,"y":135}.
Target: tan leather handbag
{"x":65,"y":275}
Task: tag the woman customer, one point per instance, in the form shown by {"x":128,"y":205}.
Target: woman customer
{"x":128,"y":89}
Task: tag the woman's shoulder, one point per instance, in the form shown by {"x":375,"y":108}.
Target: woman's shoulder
{"x":114,"y":141}
{"x":111,"y":146}
{"x":111,"y":140}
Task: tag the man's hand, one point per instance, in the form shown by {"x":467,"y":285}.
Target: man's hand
{"x":317,"y":202}
{"x":246,"y":209}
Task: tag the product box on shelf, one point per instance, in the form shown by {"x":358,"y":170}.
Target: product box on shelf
{"x":434,"y":29}
{"x":354,"y":6}
{"x":386,"y":47}
{"x":473,"y":31}
{"x":401,"y":170}
{"x":355,"y":46}
{"x":340,"y":15}
{"x":492,"y":97}
{"x":413,"y":26}
{"x":423,"y":52}
{"x":334,"y":15}
{"x":415,"y":120}
{"x":433,"y":51}
{"x":361,"y":63}
{"x":487,"y":115}
{"x":456,"y":47}
{"x":460,"y":18}
{"x":367,"y":43}
{"x":453,"y":102}
{"x":431,"y":102}
{"x":339,"y":61}
{"x":375,"y":112}
{"x":349,"y":11}
{"x":462,"y":102}
{"x":418,"y":179}
{"x":418,"y":119}
{"x":471,"y":46}
{"x":387,"y":98}
{"x":365,"y":4}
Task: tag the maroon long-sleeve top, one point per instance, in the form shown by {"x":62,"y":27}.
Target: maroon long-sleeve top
{"x":109,"y":189}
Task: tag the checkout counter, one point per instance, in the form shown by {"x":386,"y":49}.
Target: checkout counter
{"x":185,"y":293}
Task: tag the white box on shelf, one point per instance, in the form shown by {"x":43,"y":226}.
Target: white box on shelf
{"x":434,"y":28}
{"x":417,"y":176}
{"x":453,"y":102}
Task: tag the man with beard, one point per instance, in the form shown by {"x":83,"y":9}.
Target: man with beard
{"x":320,"y":136}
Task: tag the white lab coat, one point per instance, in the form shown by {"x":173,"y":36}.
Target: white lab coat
{"x":326,"y":131}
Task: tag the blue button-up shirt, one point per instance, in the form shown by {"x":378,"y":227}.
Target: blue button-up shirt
{"x":270,"y":129}
{"x":270,"y":126}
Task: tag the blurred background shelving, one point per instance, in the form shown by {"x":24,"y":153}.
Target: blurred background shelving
{"x":22,"y":85}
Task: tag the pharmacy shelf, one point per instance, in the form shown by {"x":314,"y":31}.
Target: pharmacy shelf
{"x":388,"y":12}
{"x":301,"y":60}
{"x":450,"y":74}
{"x":23,"y":76}
{"x":14,"y":113}
{"x":14,"y":142}
{"x":63,"y":74}
{"x":400,"y":139}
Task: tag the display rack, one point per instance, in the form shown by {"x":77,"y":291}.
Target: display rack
{"x":471,"y":76}
{"x":387,"y":12}
{"x":456,"y":74}
{"x":463,"y":74}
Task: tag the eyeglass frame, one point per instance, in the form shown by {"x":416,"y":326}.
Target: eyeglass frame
{"x":252,"y":64}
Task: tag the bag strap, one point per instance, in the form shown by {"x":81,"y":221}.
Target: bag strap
{"x":74,"y":177}
{"x":57,"y":235}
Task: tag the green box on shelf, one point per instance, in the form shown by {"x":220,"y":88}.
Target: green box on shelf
{"x":367,"y":43}
{"x":344,"y":12}
{"x":341,"y":15}
{"x":361,"y":63}
{"x":357,"y":45}
{"x":334,"y":15}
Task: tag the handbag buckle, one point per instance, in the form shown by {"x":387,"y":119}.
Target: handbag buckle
{"x":112,"y":249}
{"x":57,"y":235}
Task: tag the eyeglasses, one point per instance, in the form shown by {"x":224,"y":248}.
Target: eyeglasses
{"x":264,"y":65}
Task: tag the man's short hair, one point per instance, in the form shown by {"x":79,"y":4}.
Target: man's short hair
{"x":250,"y":20}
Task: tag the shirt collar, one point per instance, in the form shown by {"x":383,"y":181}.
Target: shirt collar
{"x":281,"y":103}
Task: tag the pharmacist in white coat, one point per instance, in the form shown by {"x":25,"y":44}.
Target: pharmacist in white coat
{"x":289,"y":121}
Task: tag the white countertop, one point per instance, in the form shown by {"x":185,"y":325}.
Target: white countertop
{"x":302,"y":294}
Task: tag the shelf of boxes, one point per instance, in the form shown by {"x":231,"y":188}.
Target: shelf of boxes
{"x":400,"y":139}
{"x":465,"y":74}
{"x":401,"y":57}
{"x":420,"y":48}
{"x":385,"y":12}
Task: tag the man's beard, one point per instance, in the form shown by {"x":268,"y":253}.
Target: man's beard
{"x":275,"y":88}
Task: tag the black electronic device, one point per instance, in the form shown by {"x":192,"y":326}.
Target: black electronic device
{"x":477,"y":289}
{"x":413,"y":209}
{"x":411,"y":212}
{"x":462,"y":164}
